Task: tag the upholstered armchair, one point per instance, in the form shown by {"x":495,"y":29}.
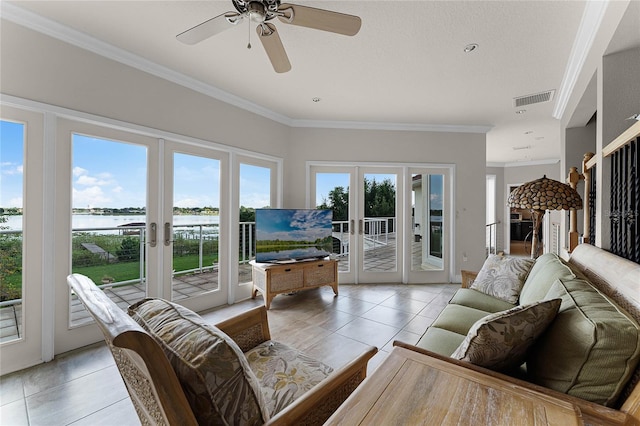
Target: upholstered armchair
{"x":180,"y":370}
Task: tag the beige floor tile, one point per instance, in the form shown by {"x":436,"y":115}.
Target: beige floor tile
{"x":83,"y":387}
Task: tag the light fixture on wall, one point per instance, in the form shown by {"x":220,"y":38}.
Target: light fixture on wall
{"x":541,"y":195}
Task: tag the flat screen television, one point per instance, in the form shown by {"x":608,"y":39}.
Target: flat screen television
{"x":289,"y":235}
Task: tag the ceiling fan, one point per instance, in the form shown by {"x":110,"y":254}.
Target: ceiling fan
{"x":262,"y":11}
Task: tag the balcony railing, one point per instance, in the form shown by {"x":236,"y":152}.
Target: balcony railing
{"x":115,"y":256}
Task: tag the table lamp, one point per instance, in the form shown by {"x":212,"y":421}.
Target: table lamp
{"x":541,"y":195}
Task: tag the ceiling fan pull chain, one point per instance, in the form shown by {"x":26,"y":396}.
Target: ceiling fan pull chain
{"x":249,"y":26}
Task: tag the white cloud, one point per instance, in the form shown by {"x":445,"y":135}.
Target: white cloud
{"x":11,"y":169}
{"x":189,"y":202}
{"x":91,"y":196}
{"x":117,"y":190}
{"x":90,"y":180}
{"x":256,"y":200}
{"x":79,"y":171}
{"x":15,"y":202}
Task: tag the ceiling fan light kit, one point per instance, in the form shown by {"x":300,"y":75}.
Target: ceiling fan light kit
{"x":262,"y":11}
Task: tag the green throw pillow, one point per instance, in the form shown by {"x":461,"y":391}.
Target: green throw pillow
{"x":503,"y":277}
{"x":500,"y":341}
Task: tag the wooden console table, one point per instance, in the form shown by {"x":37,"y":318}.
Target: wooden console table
{"x":414,"y":388}
{"x":273,"y":279}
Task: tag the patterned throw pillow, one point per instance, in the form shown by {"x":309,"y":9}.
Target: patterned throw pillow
{"x":500,"y":341}
{"x":213,"y":371}
{"x":503,"y":277}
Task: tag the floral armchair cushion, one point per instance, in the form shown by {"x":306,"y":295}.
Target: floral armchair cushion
{"x":284,"y":373}
{"x":213,"y":371}
{"x":503,"y":277}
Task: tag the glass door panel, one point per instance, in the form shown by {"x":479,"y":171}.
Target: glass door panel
{"x":12,"y":145}
{"x":378,"y":232}
{"x":196,"y":226}
{"x":430,"y":224}
{"x":109,"y":206}
{"x":428,"y":208}
{"x":255,"y":193}
{"x":332,"y":192}
{"x":434,"y":244}
{"x":21,"y":226}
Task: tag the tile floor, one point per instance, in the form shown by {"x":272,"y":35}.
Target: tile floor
{"x":83,"y":387}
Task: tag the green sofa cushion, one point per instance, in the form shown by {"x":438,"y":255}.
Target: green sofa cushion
{"x":548,"y":268}
{"x":590,"y":350}
{"x":477,"y":300}
{"x":443,"y":342}
{"x":458,"y":318}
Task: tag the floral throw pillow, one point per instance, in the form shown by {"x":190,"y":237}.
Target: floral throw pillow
{"x":500,"y":341}
{"x":503,"y":277}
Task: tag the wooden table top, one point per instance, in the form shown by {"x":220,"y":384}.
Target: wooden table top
{"x":411,"y":388}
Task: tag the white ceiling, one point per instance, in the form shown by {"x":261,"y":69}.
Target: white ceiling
{"x":406,"y":68}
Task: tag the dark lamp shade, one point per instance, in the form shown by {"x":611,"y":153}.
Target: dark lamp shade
{"x":545,"y":194}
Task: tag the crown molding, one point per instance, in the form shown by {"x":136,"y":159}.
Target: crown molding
{"x":43,"y":25}
{"x":370,"y":125}
{"x":524,"y":163}
{"x":592,"y":16}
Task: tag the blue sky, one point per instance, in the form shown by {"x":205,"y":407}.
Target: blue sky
{"x":11,"y":162}
{"x":108,"y":173}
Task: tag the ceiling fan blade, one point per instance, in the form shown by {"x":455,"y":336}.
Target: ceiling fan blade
{"x":320,"y":19}
{"x":209,"y":28}
{"x":274,"y":48}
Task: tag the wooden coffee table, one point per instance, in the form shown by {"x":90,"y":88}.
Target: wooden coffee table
{"x":413,"y":388}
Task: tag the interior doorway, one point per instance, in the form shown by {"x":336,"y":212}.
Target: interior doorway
{"x":520,"y":230}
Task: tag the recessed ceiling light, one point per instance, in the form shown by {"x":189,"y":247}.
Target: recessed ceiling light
{"x":470,"y":47}
{"x":315,"y":99}
{"x":521,"y":111}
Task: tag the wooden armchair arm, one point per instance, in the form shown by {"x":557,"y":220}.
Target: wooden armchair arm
{"x":317,"y":405}
{"x":247,"y":329}
{"x":467,"y":278}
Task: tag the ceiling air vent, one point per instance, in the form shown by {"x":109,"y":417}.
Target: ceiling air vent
{"x":536,"y":98}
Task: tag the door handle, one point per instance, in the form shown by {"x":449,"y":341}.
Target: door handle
{"x":153,"y":234}
{"x":352,"y":227}
{"x":360,"y":230}
{"x":167,"y":234}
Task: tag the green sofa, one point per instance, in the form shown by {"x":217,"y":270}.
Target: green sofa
{"x":591,"y":348}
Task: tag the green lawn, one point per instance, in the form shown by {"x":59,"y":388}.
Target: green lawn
{"x":120,"y":271}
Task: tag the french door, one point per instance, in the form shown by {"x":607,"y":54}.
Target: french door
{"x":366,"y":219}
{"x":21,"y":220}
{"x":144,"y":217}
{"x":192,"y":225}
{"x":391,"y":224}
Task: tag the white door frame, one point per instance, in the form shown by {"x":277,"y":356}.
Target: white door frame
{"x":28,"y":349}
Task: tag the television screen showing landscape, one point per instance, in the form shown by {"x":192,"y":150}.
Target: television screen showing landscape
{"x":292,"y":234}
